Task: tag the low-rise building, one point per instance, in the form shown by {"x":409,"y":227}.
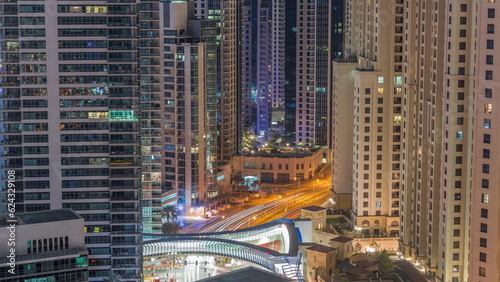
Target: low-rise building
{"x":281,"y":167}
{"x":48,"y":246}
{"x":317,"y":215}
{"x":320,"y":261}
{"x":344,"y":247}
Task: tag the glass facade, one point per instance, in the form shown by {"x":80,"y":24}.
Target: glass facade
{"x":51,"y":115}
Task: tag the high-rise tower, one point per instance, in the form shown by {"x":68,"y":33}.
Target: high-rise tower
{"x":484,"y":254}
{"x":179,"y":110}
{"x":70,"y":120}
{"x":312,"y":53}
{"x":429,"y":82}
{"x":263,"y":63}
{"x":367,"y":97}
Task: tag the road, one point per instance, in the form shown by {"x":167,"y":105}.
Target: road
{"x":276,"y":206}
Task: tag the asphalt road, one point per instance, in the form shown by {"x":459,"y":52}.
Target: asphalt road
{"x":274,"y":207}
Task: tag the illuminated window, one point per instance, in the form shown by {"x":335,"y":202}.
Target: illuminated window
{"x":485,"y":198}
{"x":488,"y":108}
{"x":380,"y":79}
{"x":487,"y":123}
{"x":98,"y":115}
{"x":397,"y":119}
{"x":398,"y":80}
{"x":122,"y":115}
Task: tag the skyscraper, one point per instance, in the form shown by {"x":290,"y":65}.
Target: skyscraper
{"x":179,"y":129}
{"x":70,"y":121}
{"x":229,"y":76}
{"x":263,"y":63}
{"x":484,"y":258}
{"x":312,"y":53}
{"x":367,"y":89}
{"x":427,"y":94}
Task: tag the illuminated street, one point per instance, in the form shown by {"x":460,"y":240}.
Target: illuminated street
{"x":274,"y":207}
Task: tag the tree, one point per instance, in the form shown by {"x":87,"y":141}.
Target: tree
{"x":254,"y":184}
{"x":385,"y":263}
{"x":275,"y":151}
{"x":113,"y":277}
{"x":357,"y":247}
{"x":169,"y":214}
{"x":319,"y":271}
{"x":238,"y":180}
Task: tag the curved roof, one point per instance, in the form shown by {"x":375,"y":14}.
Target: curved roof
{"x":214,"y":246}
{"x":241,"y":244}
{"x":281,"y":227}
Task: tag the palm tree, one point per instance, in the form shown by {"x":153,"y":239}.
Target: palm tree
{"x":170,"y":214}
{"x":113,"y":277}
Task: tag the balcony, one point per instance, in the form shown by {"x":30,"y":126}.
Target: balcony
{"x":117,"y":265}
{"x":124,"y":232}
{"x":124,"y":210}
{"x":131,"y":243}
{"x":121,"y":221}
{"x":123,"y":187}
{"x":123,"y":198}
{"x":126,"y":255}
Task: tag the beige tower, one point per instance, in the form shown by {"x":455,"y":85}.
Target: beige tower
{"x":439,"y":93}
{"x":368,"y":116}
{"x":426,"y":71}
{"x":484,"y":253}
{"x":229,"y":65}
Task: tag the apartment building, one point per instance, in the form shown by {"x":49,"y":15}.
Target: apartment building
{"x":312,"y":53}
{"x":367,"y":116}
{"x":263,"y":42}
{"x":70,"y":121}
{"x":434,"y":61}
{"x":50,"y":246}
{"x":484,"y":257}
{"x":190,"y":105}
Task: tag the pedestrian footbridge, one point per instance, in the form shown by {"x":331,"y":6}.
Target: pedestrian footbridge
{"x":273,"y":245}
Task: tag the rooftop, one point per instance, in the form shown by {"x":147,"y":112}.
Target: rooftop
{"x":47,"y":216}
{"x":341,"y":239}
{"x":321,"y":249}
{"x":313,"y":208}
{"x":248,"y":274}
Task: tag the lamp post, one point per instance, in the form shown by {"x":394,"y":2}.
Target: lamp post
{"x":276,"y":208}
{"x":298,"y":179}
{"x":250,"y":219}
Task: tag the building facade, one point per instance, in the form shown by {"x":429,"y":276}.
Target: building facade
{"x":70,"y":120}
{"x":484,"y":257}
{"x":263,"y":40}
{"x":426,"y":71}
{"x":367,"y":89}
{"x":178,"y":109}
{"x":312,"y":53}
{"x":49,"y":246}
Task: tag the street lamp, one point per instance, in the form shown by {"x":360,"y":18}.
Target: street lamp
{"x":297,"y":179}
{"x":249,"y":225}
{"x":276,"y":208}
